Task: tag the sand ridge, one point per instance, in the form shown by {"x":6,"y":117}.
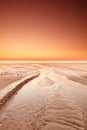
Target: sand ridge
{"x":49,"y":102}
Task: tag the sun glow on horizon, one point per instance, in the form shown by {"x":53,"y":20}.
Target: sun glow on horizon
{"x":43,"y":31}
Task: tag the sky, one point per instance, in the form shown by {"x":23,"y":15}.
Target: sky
{"x":43,"y":29}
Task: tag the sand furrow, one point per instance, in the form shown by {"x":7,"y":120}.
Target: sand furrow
{"x":16,"y":89}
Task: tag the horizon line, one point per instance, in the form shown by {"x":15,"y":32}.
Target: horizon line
{"x":43,"y":61}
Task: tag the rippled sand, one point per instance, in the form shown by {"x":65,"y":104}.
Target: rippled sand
{"x":51,"y":101}
{"x":10,"y":73}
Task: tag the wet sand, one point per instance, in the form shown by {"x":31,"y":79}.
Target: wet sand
{"x":10,"y":73}
{"x":6,"y":80}
{"x":74,"y":72}
{"x":51,"y":101}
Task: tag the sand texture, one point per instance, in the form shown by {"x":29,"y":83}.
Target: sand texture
{"x":51,"y":101}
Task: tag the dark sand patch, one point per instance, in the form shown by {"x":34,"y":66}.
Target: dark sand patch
{"x":78,"y":79}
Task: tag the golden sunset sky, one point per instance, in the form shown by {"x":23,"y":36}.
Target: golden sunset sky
{"x":43,"y":29}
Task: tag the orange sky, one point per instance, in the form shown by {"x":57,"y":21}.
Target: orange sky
{"x":43,"y":30}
